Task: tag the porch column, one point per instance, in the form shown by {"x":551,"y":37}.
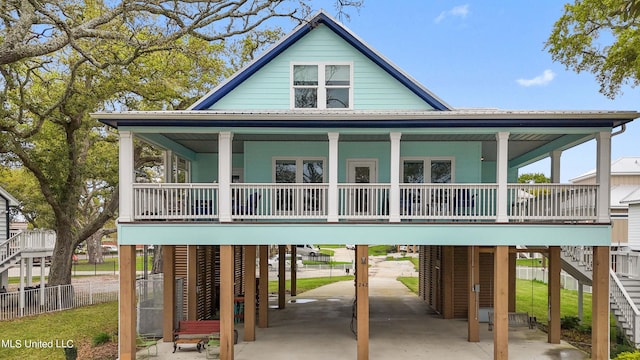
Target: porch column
{"x":362,"y":300}
{"x":580,"y":300}
{"x":192,"y":275}
{"x":500,"y":303}
{"x":600,"y":304}
{"x":282,"y":275}
{"x":21,"y":299}
{"x":447,"y":282}
{"x":394,"y":191}
{"x":224,"y":175}
{"x":29,"y":271}
{"x":332,"y":196}
{"x":169,"y":291}
{"x":263,"y":291}
{"x":42,"y":280}
{"x":250,"y":294}
{"x":513,"y":255}
{"x":226,"y":302}
{"x":125,"y":174}
{"x":473,"y":329}
{"x":294,"y":270}
{"x":168,"y":166}
{"x":502,"y":167}
{"x":603,"y":172}
{"x":555,"y":166}
{"x":127,"y":303}
{"x":554,"y":295}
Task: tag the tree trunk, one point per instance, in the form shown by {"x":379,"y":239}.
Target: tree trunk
{"x":60,"y":271}
{"x":94,"y":248}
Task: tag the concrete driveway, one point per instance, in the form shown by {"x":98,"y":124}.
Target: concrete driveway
{"x":316,"y":325}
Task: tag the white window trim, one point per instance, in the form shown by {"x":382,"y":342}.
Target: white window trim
{"x":427,"y":167}
{"x":322,"y":93}
{"x":299,"y":162}
{"x":363,"y":162}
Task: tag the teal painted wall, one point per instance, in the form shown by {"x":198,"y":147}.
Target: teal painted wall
{"x":251,"y":233}
{"x":258,"y":167}
{"x":468,"y":166}
{"x":204,"y":168}
{"x":365,"y":150}
{"x":269,"y":88}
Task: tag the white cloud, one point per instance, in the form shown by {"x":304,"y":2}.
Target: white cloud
{"x":459,"y":11}
{"x":540,"y":80}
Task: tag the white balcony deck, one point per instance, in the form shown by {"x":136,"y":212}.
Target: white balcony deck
{"x":367,"y":202}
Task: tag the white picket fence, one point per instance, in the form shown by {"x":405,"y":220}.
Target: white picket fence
{"x":567,"y":281}
{"x":37,"y":300}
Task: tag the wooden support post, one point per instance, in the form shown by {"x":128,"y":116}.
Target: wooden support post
{"x":250,"y":294}
{"x":127,"y":302}
{"x":362,"y":300}
{"x":473,"y":331}
{"x":600,"y":304}
{"x":282,"y":275}
{"x":169,"y":291}
{"x":553,"y":292}
{"x":192,"y":285}
{"x":447,"y":282}
{"x":226,"y":302}
{"x":263,"y":291}
{"x":294,"y":270}
{"x":501,"y":303}
{"x":512,"y":278}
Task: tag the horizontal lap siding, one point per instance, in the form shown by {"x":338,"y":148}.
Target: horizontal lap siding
{"x":269,"y":88}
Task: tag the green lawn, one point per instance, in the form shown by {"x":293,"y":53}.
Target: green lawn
{"x":330,"y":246}
{"x":77,"y":326}
{"x":303,"y":285}
{"x":529,"y":262}
{"x":110,"y":264}
{"x":526,"y":290}
{"x":537,"y":308}
{"x":378,"y":250}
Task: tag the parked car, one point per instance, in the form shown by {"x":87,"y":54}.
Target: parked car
{"x":109,"y":249}
{"x":350,"y":247}
{"x":273,"y":262}
{"x":309,"y":250}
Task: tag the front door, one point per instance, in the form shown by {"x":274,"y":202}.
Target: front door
{"x":362,"y":171}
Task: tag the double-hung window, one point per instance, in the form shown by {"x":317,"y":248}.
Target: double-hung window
{"x":322,"y":86}
{"x":300,"y":199}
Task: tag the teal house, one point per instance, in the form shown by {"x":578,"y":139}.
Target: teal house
{"x":323,"y":140}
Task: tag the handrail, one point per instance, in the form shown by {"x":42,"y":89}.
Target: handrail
{"x":26,"y":240}
{"x":633,"y":317}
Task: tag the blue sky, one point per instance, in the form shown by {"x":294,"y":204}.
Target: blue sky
{"x":490,"y":54}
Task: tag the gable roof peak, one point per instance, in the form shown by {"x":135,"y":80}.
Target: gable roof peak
{"x":312,"y":22}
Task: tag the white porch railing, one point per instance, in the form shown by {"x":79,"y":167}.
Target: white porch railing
{"x":625,"y":305}
{"x":29,"y":240}
{"x":626,"y":263}
{"x":582,"y":255}
{"x":427,"y":202}
{"x":544,"y":202}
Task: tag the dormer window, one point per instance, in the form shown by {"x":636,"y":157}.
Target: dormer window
{"x":321,"y":86}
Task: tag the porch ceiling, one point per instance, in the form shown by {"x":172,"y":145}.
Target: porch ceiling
{"x":519,"y":144}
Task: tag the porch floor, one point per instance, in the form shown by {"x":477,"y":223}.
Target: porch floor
{"x":317,"y":327}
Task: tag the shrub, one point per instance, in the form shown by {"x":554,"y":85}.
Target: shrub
{"x":101,"y":338}
{"x":570,"y":323}
{"x":627,"y":355}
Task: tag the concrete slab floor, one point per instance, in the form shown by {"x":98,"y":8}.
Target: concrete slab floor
{"x":318,"y":327}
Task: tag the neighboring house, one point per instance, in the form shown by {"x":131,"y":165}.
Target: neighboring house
{"x":633,"y":201}
{"x":6,"y":201}
{"x":322,"y":140}
{"x":625,"y":180}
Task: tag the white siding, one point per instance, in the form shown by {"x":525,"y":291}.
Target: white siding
{"x":634,"y":226}
{"x":4,"y":226}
